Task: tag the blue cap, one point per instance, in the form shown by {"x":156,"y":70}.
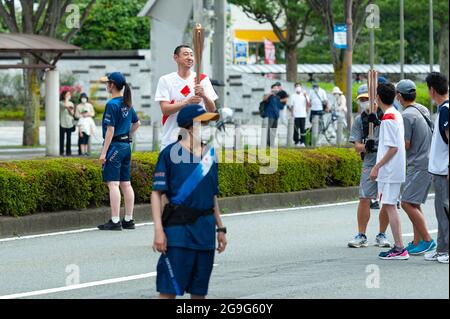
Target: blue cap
{"x":406,"y":87}
{"x":116,"y":77}
{"x":363,"y":91}
{"x":191,"y":113}
{"x":382,"y":80}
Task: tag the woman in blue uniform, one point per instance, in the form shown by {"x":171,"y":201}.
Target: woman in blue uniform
{"x":119,"y":124}
{"x":187,"y":173}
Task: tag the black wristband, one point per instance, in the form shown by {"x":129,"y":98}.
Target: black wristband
{"x":222,"y":230}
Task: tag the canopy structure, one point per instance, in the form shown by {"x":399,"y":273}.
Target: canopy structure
{"x":328,"y":68}
{"x":36,"y":45}
{"x":40,"y":47}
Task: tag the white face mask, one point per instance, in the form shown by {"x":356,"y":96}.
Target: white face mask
{"x":365,"y":106}
{"x":298,"y":89}
{"x":83,"y":100}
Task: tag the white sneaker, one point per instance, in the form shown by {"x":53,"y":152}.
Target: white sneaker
{"x":432,"y":256}
{"x":302,"y":145}
{"x":443,"y":258}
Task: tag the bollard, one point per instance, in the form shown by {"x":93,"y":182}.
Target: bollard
{"x":290,"y":133}
{"x":315,"y":130}
{"x":155,"y":136}
{"x":264,"y":132}
{"x":237,"y":136}
{"x":340,"y":131}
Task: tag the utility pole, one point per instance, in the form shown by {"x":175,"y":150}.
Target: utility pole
{"x":431,"y":37}
{"x":219,"y":49}
{"x":349,"y":52}
{"x":402,"y":39}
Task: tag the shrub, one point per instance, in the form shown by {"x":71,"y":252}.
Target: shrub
{"x":31,"y":186}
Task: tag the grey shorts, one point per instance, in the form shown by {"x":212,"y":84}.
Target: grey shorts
{"x":367,"y":188}
{"x":416,"y":187}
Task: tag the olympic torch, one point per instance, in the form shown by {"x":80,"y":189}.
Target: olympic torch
{"x":199,"y":41}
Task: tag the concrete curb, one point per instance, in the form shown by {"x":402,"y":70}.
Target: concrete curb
{"x":90,"y":218}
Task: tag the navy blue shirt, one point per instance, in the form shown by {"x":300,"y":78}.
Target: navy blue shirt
{"x":170,"y":174}
{"x":118,"y":115}
{"x":443,"y":120}
{"x":273,"y":107}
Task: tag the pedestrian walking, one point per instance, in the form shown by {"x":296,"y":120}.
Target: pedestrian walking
{"x":368,"y":189}
{"x":178,"y":89}
{"x":438,"y":164}
{"x":187,"y":174}
{"x":418,"y":134}
{"x":390,"y":169}
{"x":319,"y":101}
{"x":120,"y":123}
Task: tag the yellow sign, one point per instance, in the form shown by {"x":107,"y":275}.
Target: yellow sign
{"x":257,"y":36}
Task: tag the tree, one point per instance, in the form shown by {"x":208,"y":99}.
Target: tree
{"x":330,"y":13}
{"x":41,"y":18}
{"x":289,"y":19}
{"x":124,"y":31}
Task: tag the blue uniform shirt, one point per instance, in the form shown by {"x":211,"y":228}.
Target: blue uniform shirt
{"x":168,"y":178}
{"x":273,"y":107}
{"x":118,"y":115}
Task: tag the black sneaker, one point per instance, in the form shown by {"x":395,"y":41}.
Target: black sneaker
{"x":111,"y":226}
{"x":128,"y":225}
{"x":374,"y":205}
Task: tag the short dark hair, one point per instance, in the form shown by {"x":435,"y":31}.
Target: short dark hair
{"x":386,"y":92}
{"x":297,"y":84}
{"x":178,"y":48}
{"x":274,"y":85}
{"x":438,"y":82}
{"x":409,"y":97}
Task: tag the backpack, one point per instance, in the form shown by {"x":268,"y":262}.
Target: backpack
{"x":262,"y":108}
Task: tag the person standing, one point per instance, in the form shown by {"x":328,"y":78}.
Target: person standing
{"x":390,"y":169}
{"x":120,"y":123}
{"x":339,"y":105}
{"x":368,"y":189}
{"x":438,"y":165}
{"x":67,"y":126}
{"x":418,"y":133}
{"x":299,"y":110}
{"x":284,"y":99}
{"x":88,"y":109}
{"x":272,"y":109}
{"x":86,"y":128}
{"x":178,"y":89}
{"x":319,"y":101}
{"x":187,"y":174}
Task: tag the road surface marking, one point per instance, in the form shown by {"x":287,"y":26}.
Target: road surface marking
{"x":81,"y":286}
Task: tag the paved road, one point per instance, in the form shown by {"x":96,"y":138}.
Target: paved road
{"x":293,"y":254}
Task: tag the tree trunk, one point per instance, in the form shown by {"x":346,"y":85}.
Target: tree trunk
{"x":340,"y":74}
{"x":443,"y":49}
{"x":32,"y":107}
{"x":291,"y":63}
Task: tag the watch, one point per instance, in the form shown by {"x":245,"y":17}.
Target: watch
{"x":222,"y":230}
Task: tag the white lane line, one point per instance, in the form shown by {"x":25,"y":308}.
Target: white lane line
{"x":434,"y":231}
{"x":281,"y":210}
{"x":81,"y":286}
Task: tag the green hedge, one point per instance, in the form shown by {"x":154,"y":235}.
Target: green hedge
{"x":32,"y":186}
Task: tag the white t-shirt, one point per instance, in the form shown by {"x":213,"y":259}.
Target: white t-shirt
{"x":86,"y":125}
{"x":299,"y":104}
{"x":172,"y":88}
{"x":438,"y":164}
{"x":317,"y":99}
{"x":392,"y":134}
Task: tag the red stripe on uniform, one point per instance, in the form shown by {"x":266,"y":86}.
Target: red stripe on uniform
{"x":389,"y":116}
{"x":166,"y":117}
